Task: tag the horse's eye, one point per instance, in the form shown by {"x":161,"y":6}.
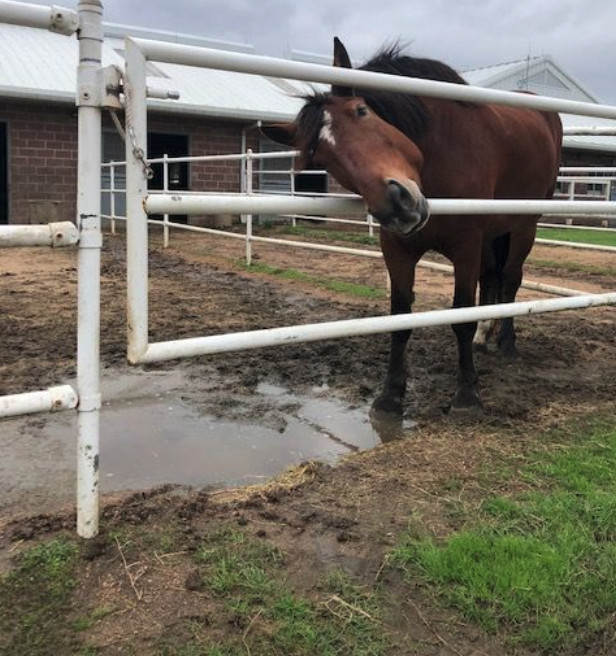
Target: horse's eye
{"x":361,"y":110}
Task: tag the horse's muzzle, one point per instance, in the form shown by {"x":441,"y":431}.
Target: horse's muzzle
{"x":404,"y":209}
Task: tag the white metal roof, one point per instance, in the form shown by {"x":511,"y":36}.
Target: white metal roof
{"x":524,"y":74}
{"x":36,"y":64}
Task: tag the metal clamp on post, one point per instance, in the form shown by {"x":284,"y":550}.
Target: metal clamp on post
{"x":90,"y":403}
{"x":90,"y":87}
{"x":112,"y":88}
{"x":89,"y":232}
{"x":63,"y":21}
{"x":63,"y":397}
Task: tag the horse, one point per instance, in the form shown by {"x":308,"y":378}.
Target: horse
{"x":397,"y":149}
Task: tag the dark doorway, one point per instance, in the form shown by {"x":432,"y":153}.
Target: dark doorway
{"x":173,"y":145}
{"x":311,"y":183}
{"x":4,"y":175}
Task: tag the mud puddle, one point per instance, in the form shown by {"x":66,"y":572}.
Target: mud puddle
{"x":153,"y":433}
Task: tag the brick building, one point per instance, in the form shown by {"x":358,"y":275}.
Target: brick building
{"x":216,"y":114}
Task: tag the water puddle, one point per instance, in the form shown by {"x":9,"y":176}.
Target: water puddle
{"x":153,"y":433}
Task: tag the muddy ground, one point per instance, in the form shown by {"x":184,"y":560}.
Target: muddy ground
{"x":347,"y":515}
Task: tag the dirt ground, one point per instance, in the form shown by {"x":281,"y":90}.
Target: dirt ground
{"x":346,"y":515}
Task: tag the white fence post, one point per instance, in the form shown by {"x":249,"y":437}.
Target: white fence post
{"x":249,"y":191}
{"x":292,"y":180}
{"x":112,"y":196}
{"x":89,"y":89}
{"x":136,"y":192}
{"x":165,"y":189}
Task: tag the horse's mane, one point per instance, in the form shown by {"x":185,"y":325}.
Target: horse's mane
{"x":403,"y":110}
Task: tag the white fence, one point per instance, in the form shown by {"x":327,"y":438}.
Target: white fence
{"x":91,"y":96}
{"x":595,"y":175}
{"x":86,"y":22}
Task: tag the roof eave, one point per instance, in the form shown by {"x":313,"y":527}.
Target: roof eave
{"x":603,"y":148}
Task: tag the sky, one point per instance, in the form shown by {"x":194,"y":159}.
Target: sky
{"x":578,"y":34}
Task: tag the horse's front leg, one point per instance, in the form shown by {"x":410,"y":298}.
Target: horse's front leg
{"x":389,"y":401}
{"x":467,"y":395}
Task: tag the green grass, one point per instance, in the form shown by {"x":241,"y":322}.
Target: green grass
{"x":539,"y":566}
{"x":330,"y":235}
{"x":573,"y":267}
{"x":246,"y":576}
{"x":35,"y":599}
{"x":582,"y":236}
{"x":352,"y":289}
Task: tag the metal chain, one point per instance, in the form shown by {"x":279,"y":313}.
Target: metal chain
{"x":138,"y":152}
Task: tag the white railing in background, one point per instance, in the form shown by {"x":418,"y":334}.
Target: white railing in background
{"x":290,"y":172}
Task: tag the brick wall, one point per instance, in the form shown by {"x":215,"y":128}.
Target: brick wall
{"x":42,"y":146}
{"x":208,"y":137}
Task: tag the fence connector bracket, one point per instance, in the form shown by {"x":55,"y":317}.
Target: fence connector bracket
{"x":63,"y":233}
{"x":162,"y":94}
{"x":63,"y":21}
{"x":111,"y":88}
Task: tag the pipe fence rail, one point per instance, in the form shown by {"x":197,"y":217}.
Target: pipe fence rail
{"x":601,"y":178}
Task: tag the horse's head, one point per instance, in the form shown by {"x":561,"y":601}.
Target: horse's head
{"x":337,"y":131}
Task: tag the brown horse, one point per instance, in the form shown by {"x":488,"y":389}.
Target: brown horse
{"x":394,"y":148}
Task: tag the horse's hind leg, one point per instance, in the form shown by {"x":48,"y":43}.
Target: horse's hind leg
{"x":521,"y":242}
{"x":402,"y":274}
{"x":488,"y":294}
{"x":466,"y":275}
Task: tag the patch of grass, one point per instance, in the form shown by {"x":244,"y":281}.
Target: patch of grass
{"x":573,"y":267}
{"x":352,"y":289}
{"x":246,"y":575}
{"x":35,"y":598}
{"x":582,"y":236}
{"x":538,"y":565}
{"x":85,"y":622}
{"x":329,"y":235}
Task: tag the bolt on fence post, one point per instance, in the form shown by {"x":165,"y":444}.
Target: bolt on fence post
{"x":249,"y":190}
{"x":165,"y":189}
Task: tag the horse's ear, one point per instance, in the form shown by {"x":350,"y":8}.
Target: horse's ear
{"x":282,"y":133}
{"x":341,"y":60}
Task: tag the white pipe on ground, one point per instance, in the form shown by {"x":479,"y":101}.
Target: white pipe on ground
{"x":61,"y":397}
{"x":63,"y":233}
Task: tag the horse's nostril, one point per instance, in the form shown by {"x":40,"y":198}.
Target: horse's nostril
{"x":400,"y":196}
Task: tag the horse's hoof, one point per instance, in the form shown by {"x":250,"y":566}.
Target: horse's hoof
{"x":465,"y":410}
{"x":466,"y":402}
{"x":387,"y":405}
{"x":508,"y":350}
{"x":387,"y":425}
